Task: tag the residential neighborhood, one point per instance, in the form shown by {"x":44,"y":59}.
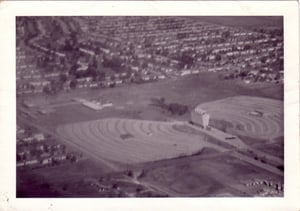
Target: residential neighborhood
{"x":112,"y":51}
{"x":36,"y":149}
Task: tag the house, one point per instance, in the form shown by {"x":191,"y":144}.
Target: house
{"x":21,"y":164}
{"x":135,"y":68}
{"x":87,"y":51}
{"x":186,"y":72}
{"x":46,"y":160}
{"x":39,"y":137}
{"x":253,"y":73}
{"x":161,"y":77}
{"x":271,"y":76}
{"x":29,"y":139}
{"x":31,"y":162}
{"x":20,"y":130}
{"x":118,"y":82}
{"x":93,"y":85}
{"x":59,"y":157}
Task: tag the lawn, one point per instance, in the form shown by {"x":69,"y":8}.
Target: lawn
{"x":57,"y":181}
{"x":200,"y":176}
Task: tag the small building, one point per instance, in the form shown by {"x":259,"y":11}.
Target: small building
{"x":39,"y":137}
{"x":200,"y":117}
{"x":28,"y":104}
{"x":31,"y":162}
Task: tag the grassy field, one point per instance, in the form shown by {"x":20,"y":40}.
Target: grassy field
{"x":58,"y":181}
{"x":210,"y":176}
{"x":207,"y":174}
{"x":275,"y":148}
{"x":134,"y":100}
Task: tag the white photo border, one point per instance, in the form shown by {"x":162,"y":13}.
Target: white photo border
{"x":10,"y":9}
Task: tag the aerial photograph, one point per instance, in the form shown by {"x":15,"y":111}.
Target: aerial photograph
{"x":149,"y":106}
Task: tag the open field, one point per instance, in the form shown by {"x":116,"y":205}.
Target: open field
{"x":197,"y":175}
{"x":134,"y":100}
{"x":248,"y":116}
{"x":216,"y":175}
{"x":193,"y":89}
{"x":275,"y":148}
{"x":51,"y":182}
{"x":132,"y":141}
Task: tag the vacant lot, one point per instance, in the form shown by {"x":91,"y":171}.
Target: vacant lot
{"x":275,"y":148}
{"x":211,"y":176}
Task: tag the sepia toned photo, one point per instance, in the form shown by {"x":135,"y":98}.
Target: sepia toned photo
{"x":149,"y":106}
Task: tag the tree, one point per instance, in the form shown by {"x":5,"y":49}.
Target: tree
{"x":218,"y":57}
{"x":130,"y":173}
{"x":91,"y":71}
{"x":247,"y":47}
{"x":47,"y":90}
{"x":225,"y":34}
{"x":263,"y":60}
{"x":73,"y":84}
{"x":187,"y":59}
{"x":114,"y":186}
{"x":178,"y":109}
{"x":73,"y":159}
{"x":19,"y":158}
{"x":73,"y":69}
{"x":243,"y":74}
{"x":55,"y":86}
{"x":31,"y":87}
{"x":112,"y":77}
{"x":94,"y":63}
{"x":162,"y":100}
{"x":63,"y":77}
{"x":62,"y":61}
{"x":100,"y":76}
{"x":65,"y":187}
{"x":114,"y":63}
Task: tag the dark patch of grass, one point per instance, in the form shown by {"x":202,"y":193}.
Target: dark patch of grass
{"x":126,"y":136}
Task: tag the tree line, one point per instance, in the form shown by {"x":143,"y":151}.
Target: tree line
{"x":173,"y":108}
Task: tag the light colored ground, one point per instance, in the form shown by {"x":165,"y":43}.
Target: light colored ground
{"x":236,"y":111}
{"x":132,"y":141}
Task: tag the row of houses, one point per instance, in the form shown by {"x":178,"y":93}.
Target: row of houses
{"x":153,"y":44}
{"x":37,"y":149}
{"x":237,"y":39}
